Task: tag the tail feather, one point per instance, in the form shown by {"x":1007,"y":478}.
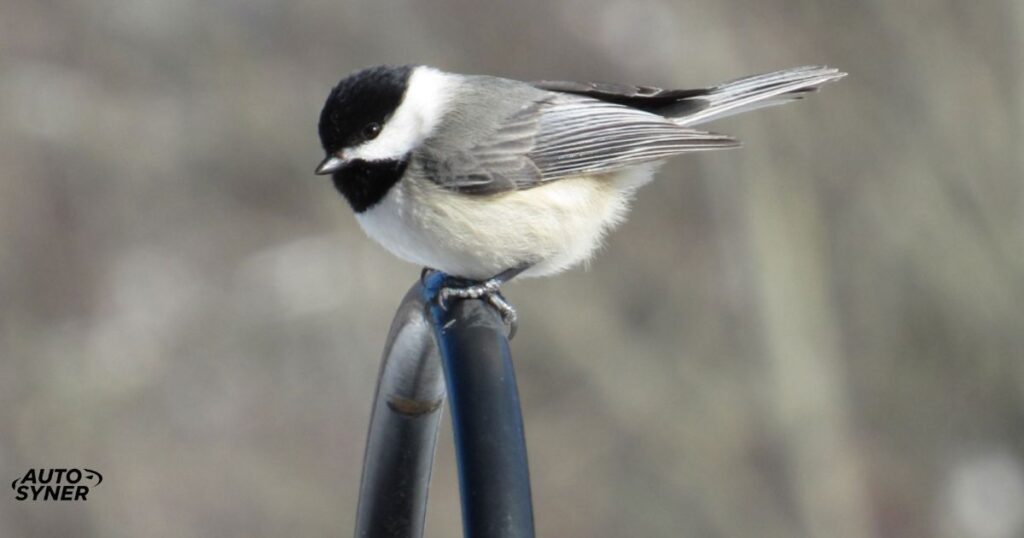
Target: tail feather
{"x":759,"y":91}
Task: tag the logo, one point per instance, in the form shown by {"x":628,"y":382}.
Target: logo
{"x":55,"y":484}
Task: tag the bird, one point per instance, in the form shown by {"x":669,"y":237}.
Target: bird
{"x":486,"y":178}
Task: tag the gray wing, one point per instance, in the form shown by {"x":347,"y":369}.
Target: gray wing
{"x":558,"y":136}
{"x":581,"y":135}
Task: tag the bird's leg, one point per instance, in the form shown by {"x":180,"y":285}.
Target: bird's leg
{"x":490,"y":290}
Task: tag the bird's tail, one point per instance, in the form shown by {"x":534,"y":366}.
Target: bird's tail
{"x":751,"y":93}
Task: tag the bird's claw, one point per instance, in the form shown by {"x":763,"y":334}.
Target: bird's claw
{"x":507,"y":311}
{"x":489,"y":290}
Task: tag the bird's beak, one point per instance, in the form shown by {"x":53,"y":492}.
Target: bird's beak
{"x":330,"y":165}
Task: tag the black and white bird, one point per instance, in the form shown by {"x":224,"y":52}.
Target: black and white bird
{"x":485,"y":178}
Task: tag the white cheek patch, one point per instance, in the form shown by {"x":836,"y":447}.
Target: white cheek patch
{"x":425,"y":103}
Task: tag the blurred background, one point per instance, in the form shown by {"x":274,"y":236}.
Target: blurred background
{"x":818,"y":335}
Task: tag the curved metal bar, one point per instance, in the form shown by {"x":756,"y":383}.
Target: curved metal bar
{"x":490,"y":444}
{"x":403,"y":428}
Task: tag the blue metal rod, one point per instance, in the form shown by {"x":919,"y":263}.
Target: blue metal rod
{"x":490,"y":443}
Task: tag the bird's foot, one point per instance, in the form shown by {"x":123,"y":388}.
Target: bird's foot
{"x":488,"y":290}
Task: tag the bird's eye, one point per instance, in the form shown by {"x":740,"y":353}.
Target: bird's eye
{"x":371,"y":130}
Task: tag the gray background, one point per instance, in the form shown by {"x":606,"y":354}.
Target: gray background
{"x":817,"y":335}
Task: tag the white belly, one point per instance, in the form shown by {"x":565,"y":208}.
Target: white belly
{"x":553,"y":227}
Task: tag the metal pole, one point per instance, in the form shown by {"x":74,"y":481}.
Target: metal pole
{"x":490,"y":445}
{"x":475,"y":365}
{"x":403,"y":428}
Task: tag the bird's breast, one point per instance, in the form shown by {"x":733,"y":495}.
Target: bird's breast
{"x":553,"y":226}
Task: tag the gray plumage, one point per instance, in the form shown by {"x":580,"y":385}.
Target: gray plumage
{"x":550,"y":130}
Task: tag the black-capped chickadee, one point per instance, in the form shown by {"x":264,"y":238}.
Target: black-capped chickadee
{"x":485,"y":178}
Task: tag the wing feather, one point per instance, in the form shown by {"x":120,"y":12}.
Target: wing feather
{"x":562,"y":136}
